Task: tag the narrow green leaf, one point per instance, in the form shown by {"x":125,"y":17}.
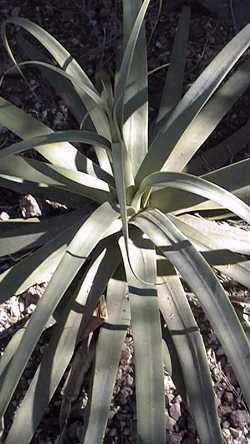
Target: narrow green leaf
{"x":213,"y":234}
{"x":61,"y":348}
{"x":173,"y":87}
{"x":192,"y":355}
{"x":222,"y":154}
{"x":26,"y":127}
{"x":36,"y":267}
{"x":42,"y":174}
{"x":172,"y":363}
{"x":127,"y":61}
{"x":64,"y":60}
{"x":60,"y":194}
{"x":135,"y":130}
{"x":119,"y":154}
{"x":108,"y":353}
{"x":196,"y":185}
{"x":146,"y":328}
{"x":86,"y":238}
{"x":202,"y":281}
{"x":234,"y":178}
{"x":87,"y":137}
{"x":63,"y":87}
{"x":16,"y":236}
{"x":58,"y":52}
{"x":84,"y":90}
{"x":192,"y":103}
{"x":94,"y":103}
{"x":215,"y":243}
{"x":209,"y":117}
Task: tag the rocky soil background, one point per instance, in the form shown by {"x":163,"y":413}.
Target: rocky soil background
{"x":90,"y":30}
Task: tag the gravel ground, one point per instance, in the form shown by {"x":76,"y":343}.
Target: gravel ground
{"x":84,"y":28}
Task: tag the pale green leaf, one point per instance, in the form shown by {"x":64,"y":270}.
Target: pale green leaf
{"x":173,"y":88}
{"x":221,"y":154}
{"x":86,"y":238}
{"x":38,"y":266}
{"x":16,"y":236}
{"x":234,"y":178}
{"x":209,"y":117}
{"x":135,"y":129}
{"x":192,"y":103}
{"x":202,"y":281}
{"x":60,"y":194}
{"x":63,"y":87}
{"x":42,"y":174}
{"x":192,"y":355}
{"x":25,"y":126}
{"x":146,"y":328}
{"x":108,"y":353}
{"x":61,"y":348}
{"x":220,"y":246}
{"x":126,"y":64}
{"x":196,"y":185}
{"x":64,"y":60}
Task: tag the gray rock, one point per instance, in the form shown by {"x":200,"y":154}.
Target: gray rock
{"x":4,"y":216}
{"x":29,"y":206}
{"x":228,"y":397}
{"x":176,"y":438}
{"x":239,"y":418}
{"x":170,"y":422}
{"x":225,"y":410}
{"x":235,"y":432}
{"x":130,"y":379}
{"x":175,"y":411}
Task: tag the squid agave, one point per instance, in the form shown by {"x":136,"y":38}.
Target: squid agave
{"x":130,"y":237}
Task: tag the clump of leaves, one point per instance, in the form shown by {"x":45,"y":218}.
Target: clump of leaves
{"x":128,"y":237}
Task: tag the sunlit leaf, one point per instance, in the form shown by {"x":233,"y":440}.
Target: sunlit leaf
{"x":145,"y":320}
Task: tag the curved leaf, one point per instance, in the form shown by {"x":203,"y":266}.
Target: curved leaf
{"x":192,"y":103}
{"x":87,"y":137}
{"x":146,"y":328}
{"x":196,"y":185}
{"x":126,"y":64}
{"x":197,"y":273}
{"x":61,"y":348}
{"x":25,"y":126}
{"x":192,"y":355}
{"x":215,"y":243}
{"x":108,"y":353}
{"x":213,"y":234}
{"x":221,"y":154}
{"x":83,"y":89}
{"x":64,"y":60}
{"x":234,"y":178}
{"x":86,"y":238}
{"x":60,"y":194}
{"x":173,"y":87}
{"x":36,"y":267}
{"x":16,"y":236}
{"x":209,"y":117}
{"x":42,"y":174}
{"x":135,"y":129}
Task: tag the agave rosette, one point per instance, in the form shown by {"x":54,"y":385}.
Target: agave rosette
{"x":128,"y":235}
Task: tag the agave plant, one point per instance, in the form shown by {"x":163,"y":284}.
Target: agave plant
{"x":129,"y":238}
